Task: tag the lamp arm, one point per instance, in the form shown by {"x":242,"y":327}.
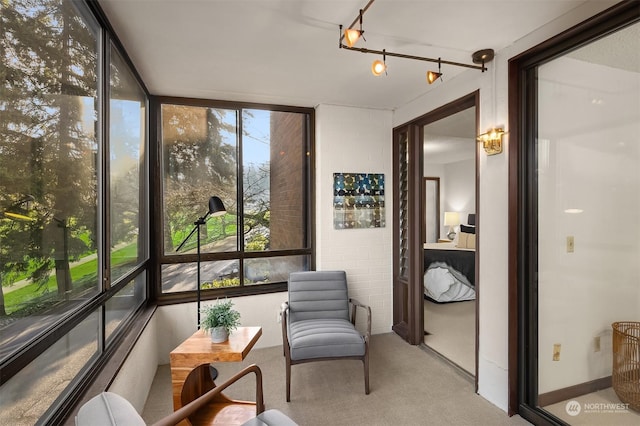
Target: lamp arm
{"x":197,"y":223}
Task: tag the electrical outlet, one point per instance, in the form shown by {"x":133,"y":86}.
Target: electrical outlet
{"x":596,"y":344}
{"x":279,"y":317}
{"x":570,"y":244}
{"x":556,"y":351}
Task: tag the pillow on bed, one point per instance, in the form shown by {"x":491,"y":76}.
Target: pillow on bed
{"x":468,"y":229}
{"x":466,"y":240}
{"x":471,"y":241}
{"x":462,"y":239}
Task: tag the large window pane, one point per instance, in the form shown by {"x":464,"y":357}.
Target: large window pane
{"x":588,"y":157}
{"x":124,"y":304}
{"x":48,"y":166}
{"x":274,"y":165}
{"x":27,"y":395}
{"x":267,"y":270}
{"x":184,"y":276}
{"x":200,"y":148}
{"x":126,"y":167}
{"x":199,"y":161}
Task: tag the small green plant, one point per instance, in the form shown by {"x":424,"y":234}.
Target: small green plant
{"x":220,"y":314}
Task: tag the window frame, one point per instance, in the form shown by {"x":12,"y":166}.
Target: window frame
{"x":157,"y":189}
{"x":64,"y":403}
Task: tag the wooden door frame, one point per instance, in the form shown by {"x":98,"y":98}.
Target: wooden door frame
{"x":414,"y":333}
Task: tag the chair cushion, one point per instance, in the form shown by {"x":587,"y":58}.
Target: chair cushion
{"x":108,"y":409}
{"x":270,"y":418}
{"x":324,"y":338}
{"x":318,"y":294}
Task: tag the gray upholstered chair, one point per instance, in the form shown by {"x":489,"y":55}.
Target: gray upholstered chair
{"x":316,"y":325}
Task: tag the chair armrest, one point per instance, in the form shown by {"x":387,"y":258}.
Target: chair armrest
{"x":357,"y":304}
{"x":195,"y":405}
{"x":284,"y":317}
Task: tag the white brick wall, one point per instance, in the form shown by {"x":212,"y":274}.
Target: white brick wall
{"x":355,"y":140}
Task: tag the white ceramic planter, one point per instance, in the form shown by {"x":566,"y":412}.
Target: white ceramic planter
{"x":218,"y":334}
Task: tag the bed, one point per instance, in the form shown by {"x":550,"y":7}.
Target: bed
{"x":449,"y":269}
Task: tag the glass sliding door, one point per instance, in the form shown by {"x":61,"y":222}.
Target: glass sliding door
{"x":574,"y":241}
{"x":588,"y":196}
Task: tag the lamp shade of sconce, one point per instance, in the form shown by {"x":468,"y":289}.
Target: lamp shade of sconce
{"x":433,"y":76}
{"x":378,"y":67}
{"x":352,"y":36}
{"x":492,"y":141}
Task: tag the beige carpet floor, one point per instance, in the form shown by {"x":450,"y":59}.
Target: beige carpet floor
{"x":452,"y":331}
{"x":409,"y":386}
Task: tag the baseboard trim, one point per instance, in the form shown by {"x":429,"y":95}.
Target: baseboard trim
{"x":564,"y":394}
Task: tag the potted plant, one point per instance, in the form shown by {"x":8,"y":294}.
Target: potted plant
{"x":219,"y":320}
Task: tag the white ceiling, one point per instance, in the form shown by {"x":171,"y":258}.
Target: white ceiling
{"x":286,"y":51}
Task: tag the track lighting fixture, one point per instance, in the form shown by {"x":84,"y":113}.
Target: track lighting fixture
{"x":380,"y":66}
{"x":350,"y":36}
{"x":432,"y":75}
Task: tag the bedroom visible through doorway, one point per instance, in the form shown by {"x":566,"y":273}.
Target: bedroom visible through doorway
{"x":449,"y":279}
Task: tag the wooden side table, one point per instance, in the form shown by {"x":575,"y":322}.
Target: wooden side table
{"x":190,"y":377}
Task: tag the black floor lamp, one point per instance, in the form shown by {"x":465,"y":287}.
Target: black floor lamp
{"x":216,"y":208}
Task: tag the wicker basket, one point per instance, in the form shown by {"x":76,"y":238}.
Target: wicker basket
{"x":626,"y":362}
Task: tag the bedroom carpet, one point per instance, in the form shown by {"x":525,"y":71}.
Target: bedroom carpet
{"x":452,"y":331}
{"x":409,"y":386}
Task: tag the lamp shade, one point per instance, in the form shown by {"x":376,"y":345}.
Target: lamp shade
{"x":216,"y":207}
{"x":451,"y":218}
{"x":351,"y":36}
{"x":378,"y":67}
{"x":433,"y":76}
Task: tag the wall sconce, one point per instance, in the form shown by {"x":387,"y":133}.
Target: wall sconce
{"x":492,"y":141}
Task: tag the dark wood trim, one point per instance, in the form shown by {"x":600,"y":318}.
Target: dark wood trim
{"x":400,"y":309}
{"x":416,"y":170}
{"x":476,"y":101}
{"x":574,"y":391}
{"x":514,"y":237}
{"x":416,"y":255}
{"x":522,"y":314}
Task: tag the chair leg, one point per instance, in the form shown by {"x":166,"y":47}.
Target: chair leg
{"x":366,"y":373}
{"x":288,"y":380}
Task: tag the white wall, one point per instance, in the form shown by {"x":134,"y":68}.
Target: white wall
{"x":459,"y":190}
{"x":594,"y":168}
{"x":493,"y":193}
{"x":356,"y":140}
{"x":136,"y":374}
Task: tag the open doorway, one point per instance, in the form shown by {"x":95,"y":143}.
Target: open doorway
{"x":449,"y":232}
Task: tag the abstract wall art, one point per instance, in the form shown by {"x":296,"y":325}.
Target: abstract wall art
{"x":358,"y":200}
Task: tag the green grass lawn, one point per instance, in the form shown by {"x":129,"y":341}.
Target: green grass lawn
{"x":82,"y":274}
{"x":85,"y":273}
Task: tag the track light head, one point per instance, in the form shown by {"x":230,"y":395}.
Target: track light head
{"x":433,"y":76}
{"x":351,"y":36}
{"x":378,"y":67}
